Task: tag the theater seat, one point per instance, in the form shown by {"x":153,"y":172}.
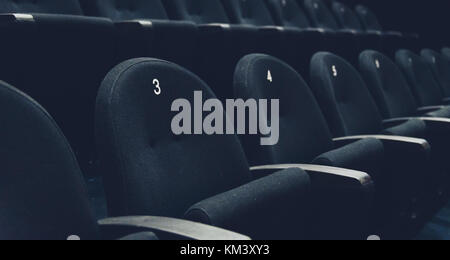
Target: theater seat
{"x":351,"y":113}
{"x":347,"y":19}
{"x":440,"y":66}
{"x":396,"y":102}
{"x":423,"y":83}
{"x":60,"y":60}
{"x":396,"y":40}
{"x":149,"y":170}
{"x":346,"y":42}
{"x":144,"y":30}
{"x":446,"y":52}
{"x":305,"y":39}
{"x":43,"y":194}
{"x":219,"y":40}
{"x":305,"y":138}
{"x":67,"y":7}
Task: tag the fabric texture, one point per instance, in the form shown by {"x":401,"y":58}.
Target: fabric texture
{"x":70,"y":7}
{"x":125,"y":9}
{"x":198,"y":11}
{"x":387,"y":85}
{"x":320,"y":15}
{"x":250,"y":12}
{"x":301,"y":121}
{"x":365,"y":155}
{"x":440,"y":67}
{"x":288,"y":13}
{"x":140,"y":175}
{"x":368,"y":18}
{"x":420,"y":77}
{"x":343,"y":96}
{"x":412,"y":128}
{"x":258,"y":210}
{"x":42,"y":191}
{"x":346,"y":17}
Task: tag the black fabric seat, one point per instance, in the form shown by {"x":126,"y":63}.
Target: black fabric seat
{"x":68,"y":7}
{"x":446,"y":52}
{"x":440,"y":66}
{"x":346,"y":42}
{"x":395,"y":40}
{"x":299,"y":32}
{"x":395,"y":100}
{"x":351,"y":111}
{"x":309,"y":142}
{"x":219,"y":40}
{"x":210,"y":181}
{"x":347,"y":19}
{"x":43,"y":194}
{"x":144,"y":30}
{"x":305,"y":136}
{"x":60,"y":60}
{"x":423,"y":83}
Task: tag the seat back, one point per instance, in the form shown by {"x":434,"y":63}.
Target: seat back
{"x":249,"y":12}
{"x":304,"y":133}
{"x":148,"y":169}
{"x":71,"y":7}
{"x":60,"y":60}
{"x":446,"y":52}
{"x":125,"y":9}
{"x":343,"y":96}
{"x":420,"y":77}
{"x":387,"y":85}
{"x":320,"y":15}
{"x":368,"y":18}
{"x":440,"y":67}
{"x":288,"y":13}
{"x":198,"y":11}
{"x":42,"y":192}
{"x":346,"y":17}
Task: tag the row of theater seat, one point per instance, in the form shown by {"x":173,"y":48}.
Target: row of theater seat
{"x":66,"y":53}
{"x":60,"y":57}
{"x":396,"y":183}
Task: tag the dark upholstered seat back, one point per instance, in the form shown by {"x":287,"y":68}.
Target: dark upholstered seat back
{"x":343,"y":96}
{"x":198,"y":11}
{"x":42,"y":191}
{"x":387,"y":85}
{"x":71,"y":7}
{"x":420,"y":77}
{"x":125,"y":9}
{"x":250,"y":12}
{"x":148,"y":170}
{"x":304,"y":133}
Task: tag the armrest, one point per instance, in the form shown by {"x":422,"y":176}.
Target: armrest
{"x":213,"y":27}
{"x":173,"y":227}
{"x":275,"y":207}
{"x":395,"y":146}
{"x":319,"y":173}
{"x":433,"y":123}
{"x":342,"y":199}
{"x":13,"y":18}
{"x":271,"y":29}
{"x":424,"y":110}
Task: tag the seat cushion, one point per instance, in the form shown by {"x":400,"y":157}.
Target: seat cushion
{"x":364,"y":155}
{"x":444,"y":112}
{"x":413,"y":128}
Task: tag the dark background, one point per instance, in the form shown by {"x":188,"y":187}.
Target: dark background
{"x":429,"y":18}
